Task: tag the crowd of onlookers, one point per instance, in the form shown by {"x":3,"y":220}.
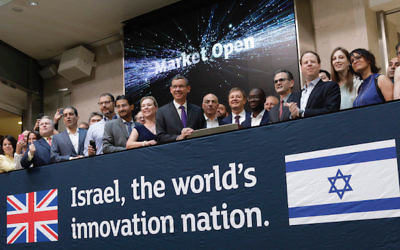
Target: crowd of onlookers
{"x":353,"y":81}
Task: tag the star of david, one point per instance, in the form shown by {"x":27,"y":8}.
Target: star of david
{"x":346,"y":188}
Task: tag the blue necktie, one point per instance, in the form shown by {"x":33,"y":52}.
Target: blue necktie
{"x":129,"y":124}
{"x":183,"y":116}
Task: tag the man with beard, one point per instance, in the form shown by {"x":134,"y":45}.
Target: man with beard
{"x":259,"y":115}
{"x":116,"y":132}
{"x":68,"y":145}
{"x":95,"y":133}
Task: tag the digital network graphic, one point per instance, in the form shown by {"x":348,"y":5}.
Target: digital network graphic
{"x":230,"y":43}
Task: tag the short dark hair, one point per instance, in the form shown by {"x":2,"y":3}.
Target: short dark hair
{"x":109,"y":95}
{"x":287,"y":72}
{"x":179,"y":77}
{"x":38,"y":136}
{"x":326,"y":73}
{"x":124,"y":97}
{"x":397,"y":47}
{"x":263,"y":96}
{"x":10,"y":139}
{"x":95,"y":114}
{"x":310,"y":52}
{"x":369,"y":57}
{"x":73,"y":108}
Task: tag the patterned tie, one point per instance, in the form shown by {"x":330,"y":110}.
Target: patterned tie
{"x":237,"y":118}
{"x":129,"y":125}
{"x":281,"y":110}
{"x":183,"y":116}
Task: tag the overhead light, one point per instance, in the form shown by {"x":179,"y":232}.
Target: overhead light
{"x":63,"y":90}
{"x":20,"y":123}
{"x":33,"y":3}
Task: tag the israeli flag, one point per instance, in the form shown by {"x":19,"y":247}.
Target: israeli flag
{"x":357,"y":182}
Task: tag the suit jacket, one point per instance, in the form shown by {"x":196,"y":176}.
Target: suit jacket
{"x":62,"y":148}
{"x":324,"y":98}
{"x":41,"y":157}
{"x":169,"y":124}
{"x":274,"y":112}
{"x":115,"y":136}
{"x":229,"y":120}
{"x":264,"y":120}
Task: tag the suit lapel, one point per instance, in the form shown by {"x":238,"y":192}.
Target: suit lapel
{"x":44,"y":143}
{"x":313,"y":93}
{"x":81,"y":140}
{"x":175,"y":115}
{"x":123,"y":127}
{"x":68,"y":140}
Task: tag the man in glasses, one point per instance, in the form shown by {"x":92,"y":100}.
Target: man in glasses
{"x":95,"y":133}
{"x":284,"y":83}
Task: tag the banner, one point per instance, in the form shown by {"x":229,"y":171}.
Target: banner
{"x":303,"y":184}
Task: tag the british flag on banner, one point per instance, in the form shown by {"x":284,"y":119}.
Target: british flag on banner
{"x":32,"y":217}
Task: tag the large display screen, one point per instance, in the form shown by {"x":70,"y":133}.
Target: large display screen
{"x":217,"y":45}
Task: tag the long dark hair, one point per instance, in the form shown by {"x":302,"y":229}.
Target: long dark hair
{"x":369,"y":57}
{"x":10,"y":139}
{"x":335,"y":76}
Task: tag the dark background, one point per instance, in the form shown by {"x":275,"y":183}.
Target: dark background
{"x":187,"y":26}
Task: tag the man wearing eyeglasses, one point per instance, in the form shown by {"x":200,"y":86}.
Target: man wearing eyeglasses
{"x":317,"y":97}
{"x":178,"y":119}
{"x":284,"y":83}
{"x":95,"y":133}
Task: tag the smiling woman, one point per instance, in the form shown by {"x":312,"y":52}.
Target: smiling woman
{"x":375,"y":88}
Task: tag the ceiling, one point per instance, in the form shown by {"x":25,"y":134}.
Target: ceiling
{"x":46,"y":30}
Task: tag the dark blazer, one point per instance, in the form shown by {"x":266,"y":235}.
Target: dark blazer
{"x":264,"y":120}
{"x":324,"y":98}
{"x":115,"y":136}
{"x":169,"y":124}
{"x":62,"y":148}
{"x":229,"y":120}
{"x":274,"y":112}
{"x":41,"y":157}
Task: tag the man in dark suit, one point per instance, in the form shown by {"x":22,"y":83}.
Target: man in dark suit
{"x":39,"y":152}
{"x":259,"y":116}
{"x":117,"y":131}
{"x":317,"y":97}
{"x":284,"y":83}
{"x":178,"y":119}
{"x":69,"y":144}
{"x":210,"y":106}
{"x":237,"y":100}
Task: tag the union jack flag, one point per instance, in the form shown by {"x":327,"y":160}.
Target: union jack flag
{"x":32,"y":217}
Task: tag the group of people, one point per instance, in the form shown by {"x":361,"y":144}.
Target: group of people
{"x":355,"y":82}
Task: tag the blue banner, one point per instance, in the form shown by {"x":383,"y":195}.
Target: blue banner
{"x":321,"y":182}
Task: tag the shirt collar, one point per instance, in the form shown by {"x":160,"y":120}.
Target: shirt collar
{"x":69,"y":132}
{"x":242,"y":114}
{"x":208,"y":119}
{"x":286,"y":98}
{"x":259,"y":115}
{"x":312,"y":83}
{"x":177,"y":105}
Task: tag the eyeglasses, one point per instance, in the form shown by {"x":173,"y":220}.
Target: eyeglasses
{"x":280,"y":80}
{"x":105,"y":102}
{"x":355,"y":58}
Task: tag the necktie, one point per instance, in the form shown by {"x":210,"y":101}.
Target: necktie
{"x":49,"y":140}
{"x":183,"y":116}
{"x":281,"y":110}
{"x":129,"y":125}
{"x":237,"y":119}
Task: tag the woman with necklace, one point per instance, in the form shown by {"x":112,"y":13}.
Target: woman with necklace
{"x":375,"y":88}
{"x":343,"y":74}
{"x":145,"y":135}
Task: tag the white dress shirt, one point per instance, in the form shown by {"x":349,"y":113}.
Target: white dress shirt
{"x":177,"y":105}
{"x":305,"y":93}
{"x":211,"y":123}
{"x":242,"y":117}
{"x":74,"y":137}
{"x":255,"y":121}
